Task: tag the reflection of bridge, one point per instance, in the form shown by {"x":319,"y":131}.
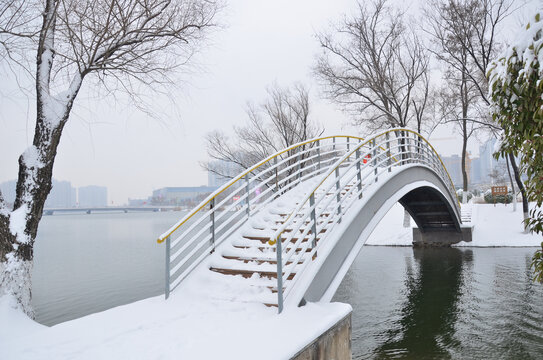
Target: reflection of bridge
{"x":290,"y":226}
{"x":125,"y":209}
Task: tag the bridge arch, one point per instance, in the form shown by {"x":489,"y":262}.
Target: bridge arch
{"x":346,"y":185}
{"x":406,"y":187}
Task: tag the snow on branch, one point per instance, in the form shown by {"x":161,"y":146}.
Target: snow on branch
{"x":524,"y":51}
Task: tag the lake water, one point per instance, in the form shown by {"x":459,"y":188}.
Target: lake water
{"x":477,"y":303}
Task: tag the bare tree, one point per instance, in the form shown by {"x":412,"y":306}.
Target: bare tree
{"x":279,"y":122}
{"x":465,"y":35}
{"x":376,"y":68}
{"x":458,"y":105}
{"x":473,"y":24}
{"x":121,"y":41}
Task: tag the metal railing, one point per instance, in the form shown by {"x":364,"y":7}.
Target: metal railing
{"x":343,"y":183}
{"x":196,"y":235}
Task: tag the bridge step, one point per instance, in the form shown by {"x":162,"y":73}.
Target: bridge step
{"x":249,"y":273}
{"x":249,"y":254}
{"x":256,"y":260}
{"x":267,"y":248}
{"x":292,"y":240}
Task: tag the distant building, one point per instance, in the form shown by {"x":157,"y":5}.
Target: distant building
{"x":453,"y":164}
{"x":92,"y":196}
{"x":220,"y":172}
{"x":181,"y":195}
{"x":487,"y":164}
{"x":62,"y":195}
{"x":475,"y":172}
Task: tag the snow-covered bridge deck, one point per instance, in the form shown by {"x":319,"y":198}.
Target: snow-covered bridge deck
{"x":286,"y":230}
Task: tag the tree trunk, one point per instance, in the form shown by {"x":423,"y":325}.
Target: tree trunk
{"x":19,"y":227}
{"x":525,"y":210}
{"x":465,"y":104}
{"x":18,"y":232}
{"x":513,"y":189}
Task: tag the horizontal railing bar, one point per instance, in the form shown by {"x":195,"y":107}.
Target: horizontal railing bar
{"x":412,"y":152}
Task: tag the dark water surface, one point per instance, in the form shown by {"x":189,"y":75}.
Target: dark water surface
{"x":470,"y":303}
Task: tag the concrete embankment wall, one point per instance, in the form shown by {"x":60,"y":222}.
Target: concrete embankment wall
{"x":333,"y":344}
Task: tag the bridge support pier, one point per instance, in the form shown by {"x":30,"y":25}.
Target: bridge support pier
{"x":440,"y":238}
{"x":333,"y":344}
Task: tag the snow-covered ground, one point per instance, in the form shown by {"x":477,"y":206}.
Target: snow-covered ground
{"x":493,"y":226}
{"x":184,"y":327}
{"x":197,"y":324}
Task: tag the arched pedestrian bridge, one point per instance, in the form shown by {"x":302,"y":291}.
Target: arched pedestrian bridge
{"x":287,"y":230}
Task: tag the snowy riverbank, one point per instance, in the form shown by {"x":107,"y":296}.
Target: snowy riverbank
{"x":184,"y":327}
{"x":493,"y":226}
{"x":196,"y":324}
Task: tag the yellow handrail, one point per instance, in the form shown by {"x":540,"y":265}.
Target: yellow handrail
{"x":272,"y":242}
{"x":254,"y":167}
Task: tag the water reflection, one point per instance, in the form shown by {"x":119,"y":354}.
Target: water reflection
{"x":426,"y":326}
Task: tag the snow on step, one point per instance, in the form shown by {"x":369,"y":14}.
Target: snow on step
{"x":248,"y":262}
{"x":248,"y":257}
{"x":466,"y":212}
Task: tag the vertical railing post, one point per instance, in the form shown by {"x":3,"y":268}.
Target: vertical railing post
{"x":426,"y":152}
{"x":358,"y":173}
{"x":334,"y":143}
{"x":338,"y":195}
{"x":313,"y":219}
{"x":348,"y":145}
{"x":401,"y":143}
{"x":389,"y":157}
{"x":276,"y":176}
{"x":408,"y":147}
{"x":248,"y":193}
{"x":374,"y":159}
{"x":167,"y":262}
{"x":422,"y":152}
{"x":279,"y":251}
{"x":212,"y":230}
{"x":319,"y":154}
{"x":298,"y":168}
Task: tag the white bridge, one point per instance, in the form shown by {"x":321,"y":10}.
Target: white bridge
{"x":287,"y":230}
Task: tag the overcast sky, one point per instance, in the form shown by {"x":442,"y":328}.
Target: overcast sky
{"x":108,"y":142}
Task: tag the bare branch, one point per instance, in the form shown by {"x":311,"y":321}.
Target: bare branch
{"x":279,"y":122}
{"x":375,"y":68}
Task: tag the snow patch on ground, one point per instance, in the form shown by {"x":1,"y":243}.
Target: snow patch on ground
{"x":207,"y":319}
{"x":180,"y":328}
{"x":390,"y":231}
{"x":493,"y":226}
{"x":499,"y":226}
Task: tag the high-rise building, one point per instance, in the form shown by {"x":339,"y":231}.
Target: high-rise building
{"x":92,"y":196}
{"x":488,"y":162}
{"x":475,"y":173}
{"x":453,"y":164}
{"x":61,"y":195}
